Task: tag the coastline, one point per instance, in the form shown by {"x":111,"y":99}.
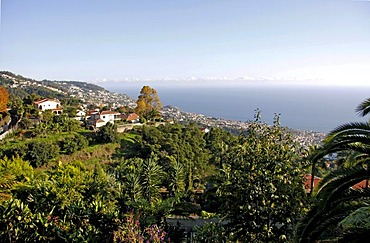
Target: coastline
{"x":304,"y":138}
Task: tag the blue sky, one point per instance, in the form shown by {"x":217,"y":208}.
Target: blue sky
{"x":324,"y":42}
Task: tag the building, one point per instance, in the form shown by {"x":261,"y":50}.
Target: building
{"x":49,"y":104}
{"x":99,"y":119}
{"x":132,"y":117}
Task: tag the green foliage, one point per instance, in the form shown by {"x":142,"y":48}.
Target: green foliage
{"x":107,"y":134}
{"x":218,"y":142}
{"x":211,"y":233}
{"x":262,"y":185}
{"x":19,"y":224}
{"x":71,"y":203}
{"x":72,"y":144}
{"x":360,"y":218}
{"x":13,"y":150}
{"x":20,"y":169}
{"x":334,"y":201}
{"x":184,"y":144}
{"x":151,"y":178}
{"x":40,"y":152}
{"x":65,"y":124}
{"x":47,"y":116}
{"x":13,"y":172}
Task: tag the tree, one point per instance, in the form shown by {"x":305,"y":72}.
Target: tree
{"x":16,"y":104}
{"x":4,"y":98}
{"x":40,"y":152}
{"x":148,"y":102}
{"x":47,"y":116}
{"x":74,"y":143}
{"x":261,"y":188}
{"x":334,"y":200}
{"x":107,"y":134}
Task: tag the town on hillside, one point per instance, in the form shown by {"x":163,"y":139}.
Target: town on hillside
{"x":97,"y":106}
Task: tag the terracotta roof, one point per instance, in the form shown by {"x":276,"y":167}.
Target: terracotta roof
{"x":44,"y":100}
{"x":307,"y":182}
{"x":360,"y":185}
{"x":109,"y":113}
{"x":90,"y":112}
{"x":131,"y":117}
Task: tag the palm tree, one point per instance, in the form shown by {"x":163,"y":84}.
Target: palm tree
{"x":334,"y":201}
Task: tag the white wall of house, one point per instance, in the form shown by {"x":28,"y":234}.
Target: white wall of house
{"x":110,"y":117}
{"x":48,"y":105}
{"x":107,"y":117}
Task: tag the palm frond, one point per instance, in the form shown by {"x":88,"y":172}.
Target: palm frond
{"x":350,"y":128}
{"x":332,"y":198}
{"x":355,"y":236}
{"x":340,"y":180}
{"x":364,"y":108}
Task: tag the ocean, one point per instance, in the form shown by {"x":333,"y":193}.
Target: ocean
{"x":309,"y":108}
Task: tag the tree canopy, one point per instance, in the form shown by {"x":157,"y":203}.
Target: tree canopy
{"x":4,"y":98}
{"x":261,"y":188}
{"x":148,"y":103}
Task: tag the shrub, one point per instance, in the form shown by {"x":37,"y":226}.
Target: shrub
{"x":72,"y":144}
{"x":107,"y":134}
{"x":40,"y":152}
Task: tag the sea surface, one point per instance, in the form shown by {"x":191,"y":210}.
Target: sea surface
{"x":309,"y":108}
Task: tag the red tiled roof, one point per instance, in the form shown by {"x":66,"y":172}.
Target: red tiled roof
{"x":44,"y":100}
{"x":360,"y":185}
{"x":307,"y":182}
{"x":90,"y":112}
{"x":131,"y":117}
{"x":109,"y":113}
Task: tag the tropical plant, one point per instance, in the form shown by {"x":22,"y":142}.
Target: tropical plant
{"x":336,"y":199}
{"x":152,"y":174}
{"x":334,"y":202}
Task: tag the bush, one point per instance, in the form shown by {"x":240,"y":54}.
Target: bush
{"x":107,"y":134}
{"x":72,"y":144}
{"x":14,"y":150}
{"x":40,"y":152}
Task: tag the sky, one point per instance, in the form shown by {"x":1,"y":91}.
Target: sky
{"x":321,"y":42}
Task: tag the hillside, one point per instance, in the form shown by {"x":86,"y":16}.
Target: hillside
{"x":86,"y":93}
{"x":93,"y":94}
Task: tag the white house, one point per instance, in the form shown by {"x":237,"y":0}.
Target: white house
{"x":100,"y":119}
{"x":49,"y":104}
{"x":110,"y":116}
